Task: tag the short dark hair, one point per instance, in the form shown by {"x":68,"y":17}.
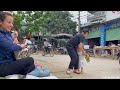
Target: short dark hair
{"x":85,"y":31}
{"x":3,"y":15}
{"x":45,"y":39}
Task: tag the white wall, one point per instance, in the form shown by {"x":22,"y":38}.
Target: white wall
{"x":110,"y":15}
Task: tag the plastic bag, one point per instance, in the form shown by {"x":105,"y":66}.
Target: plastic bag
{"x":87,"y":57}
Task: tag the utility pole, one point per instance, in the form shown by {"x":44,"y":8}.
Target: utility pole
{"x":79,"y":21}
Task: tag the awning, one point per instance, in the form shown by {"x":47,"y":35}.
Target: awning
{"x":113,"y":34}
{"x":93,"y":34}
{"x":63,"y":36}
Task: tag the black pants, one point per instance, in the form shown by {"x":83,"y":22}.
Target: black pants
{"x":46,"y":49}
{"x":74,"y":63}
{"x":23,"y":67}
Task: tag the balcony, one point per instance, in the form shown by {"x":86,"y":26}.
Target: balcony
{"x":96,"y":17}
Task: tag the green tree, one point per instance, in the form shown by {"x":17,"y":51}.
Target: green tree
{"x":58,"y":22}
{"x":18,"y":17}
{"x":48,"y":22}
{"x":35,"y":20}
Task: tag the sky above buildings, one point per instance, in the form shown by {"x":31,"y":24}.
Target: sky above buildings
{"x":83,"y":16}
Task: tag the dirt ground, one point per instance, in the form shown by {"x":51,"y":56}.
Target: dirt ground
{"x":97,"y":68}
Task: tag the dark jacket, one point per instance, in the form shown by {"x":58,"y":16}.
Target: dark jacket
{"x":75,"y":40}
{"x":7,"y":47}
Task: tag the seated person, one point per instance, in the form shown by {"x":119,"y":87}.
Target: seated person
{"x":46,"y":45}
{"x":15,"y":34}
{"x":8,"y":63}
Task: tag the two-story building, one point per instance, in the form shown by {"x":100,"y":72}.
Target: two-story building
{"x":104,"y":27}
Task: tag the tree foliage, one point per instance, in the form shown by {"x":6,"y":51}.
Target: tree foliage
{"x":48,"y":22}
{"x":59,"y":22}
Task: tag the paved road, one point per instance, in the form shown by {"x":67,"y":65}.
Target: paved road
{"x":98,"y":68}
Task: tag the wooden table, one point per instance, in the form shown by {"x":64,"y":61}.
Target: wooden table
{"x":106,"y":48}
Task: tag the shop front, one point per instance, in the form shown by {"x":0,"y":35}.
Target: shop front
{"x":112,"y":30}
{"x":93,"y":38}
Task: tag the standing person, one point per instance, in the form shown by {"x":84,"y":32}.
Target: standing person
{"x":81,"y":60}
{"x":15,"y":34}
{"x":8,"y":63}
{"x":72,"y":44}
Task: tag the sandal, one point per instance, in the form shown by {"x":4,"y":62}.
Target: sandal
{"x":68,"y":71}
{"x":76,"y":71}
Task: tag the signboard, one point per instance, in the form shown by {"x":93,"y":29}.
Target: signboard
{"x":111,"y":25}
{"x":102,"y":36}
{"x":86,"y":46}
{"x":110,"y":15}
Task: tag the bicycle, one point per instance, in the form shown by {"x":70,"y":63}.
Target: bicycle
{"x":48,"y":51}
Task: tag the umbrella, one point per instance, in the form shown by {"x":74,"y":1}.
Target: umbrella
{"x":63,"y":36}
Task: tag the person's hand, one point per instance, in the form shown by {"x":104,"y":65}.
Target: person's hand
{"x":22,"y":45}
{"x":83,"y":53}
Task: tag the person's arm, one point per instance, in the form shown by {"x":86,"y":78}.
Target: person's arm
{"x":22,"y":45}
{"x":8,"y":45}
{"x":81,"y":44}
{"x":81,"y":48}
{"x":47,"y":44}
